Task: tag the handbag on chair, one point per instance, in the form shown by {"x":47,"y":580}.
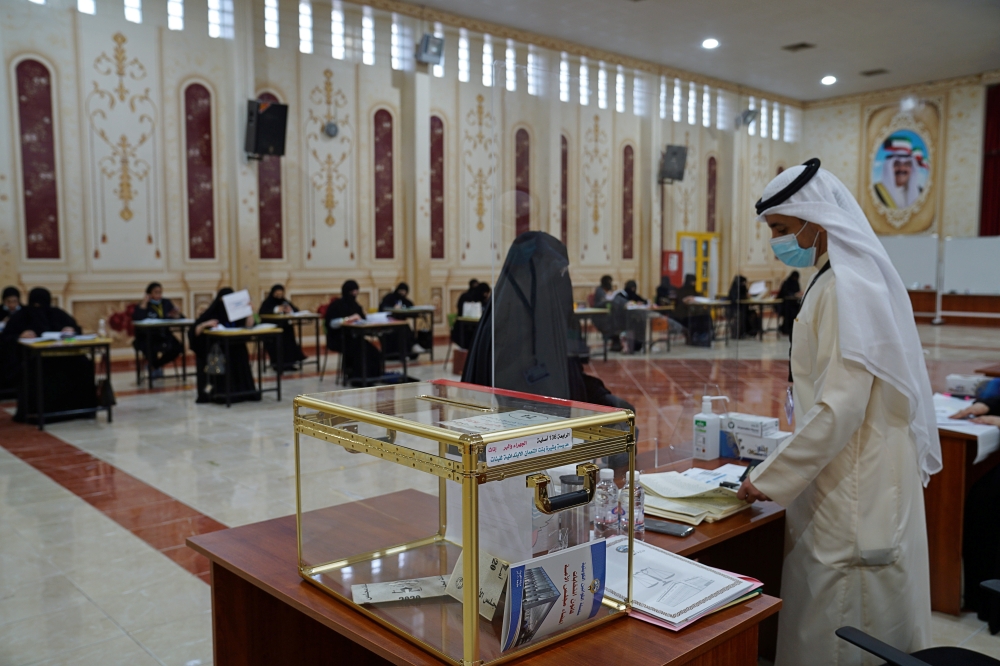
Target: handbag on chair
{"x":215,"y":364}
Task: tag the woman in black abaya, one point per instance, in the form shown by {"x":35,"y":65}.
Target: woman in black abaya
{"x":538,"y":344}
{"x":291,"y":352}
{"x":345,"y":310}
{"x":68,"y":380}
{"x":695,"y":319}
{"x":212,"y":383}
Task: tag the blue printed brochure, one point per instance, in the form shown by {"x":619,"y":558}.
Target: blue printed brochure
{"x":551,"y":593}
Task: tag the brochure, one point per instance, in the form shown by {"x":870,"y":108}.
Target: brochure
{"x":552,"y":593}
{"x":237,"y":305}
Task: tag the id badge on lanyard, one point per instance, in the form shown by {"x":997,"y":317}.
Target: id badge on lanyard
{"x":789,"y":405}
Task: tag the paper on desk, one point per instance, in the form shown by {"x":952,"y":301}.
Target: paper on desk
{"x":729,"y":473}
{"x":237,"y":305}
{"x":377,"y":318}
{"x":399,"y":590}
{"x":987,"y":436}
{"x":757,"y":288}
{"x":700,"y":299}
{"x":676,"y":485}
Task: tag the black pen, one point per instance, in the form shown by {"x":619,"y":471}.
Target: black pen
{"x":743,"y":477}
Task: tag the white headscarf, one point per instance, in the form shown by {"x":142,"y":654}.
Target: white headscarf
{"x":902,"y":197}
{"x":877,"y":328}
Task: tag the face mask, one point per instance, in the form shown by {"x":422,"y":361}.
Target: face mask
{"x":786,"y":249}
{"x":154,"y":301}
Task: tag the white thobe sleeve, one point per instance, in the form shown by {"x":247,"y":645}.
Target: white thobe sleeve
{"x":842,"y":390}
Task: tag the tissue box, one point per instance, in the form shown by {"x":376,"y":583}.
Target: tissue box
{"x":758,"y":448}
{"x":965,"y":384}
{"x":749,"y":424}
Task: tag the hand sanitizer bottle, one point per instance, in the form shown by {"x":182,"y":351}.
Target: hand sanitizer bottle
{"x":707,"y":430}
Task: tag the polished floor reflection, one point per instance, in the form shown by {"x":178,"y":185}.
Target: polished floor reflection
{"x":93,"y":516}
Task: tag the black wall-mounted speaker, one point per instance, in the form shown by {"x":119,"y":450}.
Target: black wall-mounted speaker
{"x":265,"y":128}
{"x":672,"y":163}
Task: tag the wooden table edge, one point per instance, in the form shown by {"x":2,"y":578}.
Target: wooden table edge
{"x":761,"y":608}
{"x":742,"y":529}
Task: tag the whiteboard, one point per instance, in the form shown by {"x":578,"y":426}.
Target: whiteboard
{"x":915,"y":259}
{"x":972,"y":265}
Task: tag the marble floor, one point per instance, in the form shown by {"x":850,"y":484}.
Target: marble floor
{"x":93,"y":516}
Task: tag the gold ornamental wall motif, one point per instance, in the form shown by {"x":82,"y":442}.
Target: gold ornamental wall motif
{"x":479,"y":160}
{"x":329,"y":160}
{"x":122,"y":124}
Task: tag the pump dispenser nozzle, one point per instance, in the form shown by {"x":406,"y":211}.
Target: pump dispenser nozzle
{"x":706,"y":402}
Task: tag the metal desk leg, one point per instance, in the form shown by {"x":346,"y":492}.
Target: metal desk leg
{"x":364,"y":362}
{"x":138,"y":376}
{"x":184,"y":354}
{"x":229,"y":373}
{"x":149,"y":354}
{"x":107,"y":373}
{"x":40,"y":392}
{"x":430,"y":324}
{"x":403,"y":353}
{"x":318,"y":369}
{"x":281,"y":367}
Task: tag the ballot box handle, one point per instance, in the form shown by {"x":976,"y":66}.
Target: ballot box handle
{"x":549,"y":505}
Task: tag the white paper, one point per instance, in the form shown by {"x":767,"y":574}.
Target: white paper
{"x":674,"y":485}
{"x":473,"y":310}
{"x":399,"y":590}
{"x":153,"y":320}
{"x":757,"y":288}
{"x":237,"y":305}
{"x":700,"y":299}
{"x":492,"y":422}
{"x":988,"y":436}
{"x":668,"y":586}
{"x":504,"y":517}
{"x":377,"y":318}
{"x":492,"y":578}
{"x":729,"y":473}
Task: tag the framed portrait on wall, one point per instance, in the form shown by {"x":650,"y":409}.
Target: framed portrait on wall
{"x":900,"y":166}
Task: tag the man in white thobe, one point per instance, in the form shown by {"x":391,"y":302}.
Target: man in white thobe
{"x":850,"y":476}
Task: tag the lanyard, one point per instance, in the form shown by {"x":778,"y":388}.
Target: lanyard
{"x":824,"y":269}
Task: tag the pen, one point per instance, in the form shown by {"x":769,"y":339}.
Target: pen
{"x":743,"y":477}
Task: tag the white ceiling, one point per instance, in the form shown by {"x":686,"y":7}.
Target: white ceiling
{"x":916,"y":40}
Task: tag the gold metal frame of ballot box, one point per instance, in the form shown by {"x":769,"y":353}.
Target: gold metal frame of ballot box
{"x":471,"y":471}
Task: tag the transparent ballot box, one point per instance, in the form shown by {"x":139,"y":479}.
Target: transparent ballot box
{"x":408,"y":493}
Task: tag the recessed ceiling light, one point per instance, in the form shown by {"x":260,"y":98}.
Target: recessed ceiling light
{"x":710,"y":43}
{"x":828,"y":80}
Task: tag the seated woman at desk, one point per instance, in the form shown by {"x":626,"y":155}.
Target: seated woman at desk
{"x":357,"y":350}
{"x":11,"y":303}
{"x":603,"y":296}
{"x":291,"y":352}
{"x":163,"y":346}
{"x":463,"y":332}
{"x":396,"y":299}
{"x":211,"y":365}
{"x":698,"y":323}
{"x":665,"y":293}
{"x":68,"y":380}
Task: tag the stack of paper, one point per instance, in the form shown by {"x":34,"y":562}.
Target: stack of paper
{"x":669,"y":590}
{"x":694,"y":496}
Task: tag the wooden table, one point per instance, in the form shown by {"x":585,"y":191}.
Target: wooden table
{"x":415,"y":313}
{"x":652,"y":312}
{"x":299,"y":319}
{"x":944,"y":502}
{"x":364,"y":328}
{"x":147,"y":326}
{"x":245,"y":335}
{"x":264,"y":613}
{"x":32,"y":353}
{"x":990,"y":370}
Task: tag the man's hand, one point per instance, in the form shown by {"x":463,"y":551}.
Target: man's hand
{"x":748,"y":493}
{"x":987,"y":420}
{"x":28,"y":334}
{"x":145,"y":301}
{"x":976,"y":409}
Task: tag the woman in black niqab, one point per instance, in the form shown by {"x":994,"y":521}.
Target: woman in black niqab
{"x":537,"y":346}
{"x":344,"y":310}
{"x":292,"y":355}
{"x":697,"y":321}
{"x":68,"y":380}
{"x":212,"y":387}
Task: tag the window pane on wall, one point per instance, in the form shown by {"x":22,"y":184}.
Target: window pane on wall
{"x":269,"y":201}
{"x":38,"y":160}
{"x":384,"y":211}
{"x":200,"y":177}
{"x":437,"y":188}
